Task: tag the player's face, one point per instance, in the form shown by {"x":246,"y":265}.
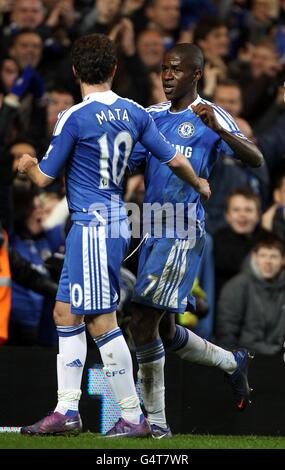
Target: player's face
{"x":269,"y":262}
{"x":242,"y":215}
{"x":177,"y":76}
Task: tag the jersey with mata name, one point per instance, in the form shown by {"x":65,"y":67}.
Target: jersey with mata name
{"x":200,"y":144}
{"x":93,"y":141}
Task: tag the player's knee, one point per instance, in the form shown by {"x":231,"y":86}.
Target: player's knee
{"x":144,"y":325}
{"x":100,"y":324}
{"x":167,"y":329}
{"x":63,"y":317}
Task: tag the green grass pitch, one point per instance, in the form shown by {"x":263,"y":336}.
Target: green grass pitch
{"x":179,"y":441}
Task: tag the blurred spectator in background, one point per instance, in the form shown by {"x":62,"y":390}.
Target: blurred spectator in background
{"x":193,"y":11}
{"x":30,"y":242}
{"x":42,"y":124}
{"x":28,"y":90}
{"x":131,"y":79}
{"x":233,"y":243}
{"x":150,"y":49}
{"x":15,"y":152}
{"x":26,"y":14}
{"x":259,"y":20}
{"x":251,"y":309}
{"x":212,"y":35}
{"x":259,"y":76}
{"x":9,"y":71}
{"x":164,"y":16}
{"x":61,"y":17}
{"x":58,"y":100}
{"x":229,"y":173}
{"x":104,"y":16}
{"x":274,"y":218}
{"x":135,"y":11}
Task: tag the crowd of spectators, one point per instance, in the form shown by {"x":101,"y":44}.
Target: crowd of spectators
{"x":243,"y":42}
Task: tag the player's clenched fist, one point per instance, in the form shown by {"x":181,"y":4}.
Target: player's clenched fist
{"x":26,"y":162}
{"x":204,"y":189}
{"x":207,"y":115}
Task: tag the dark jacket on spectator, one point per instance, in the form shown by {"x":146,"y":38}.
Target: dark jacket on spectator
{"x":272,"y":144}
{"x":251,"y":312}
{"x":230,"y":250}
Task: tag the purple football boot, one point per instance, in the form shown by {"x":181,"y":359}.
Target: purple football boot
{"x":123,"y":428}
{"x":159,"y":432}
{"x":55,"y":424}
{"x":239,"y":379}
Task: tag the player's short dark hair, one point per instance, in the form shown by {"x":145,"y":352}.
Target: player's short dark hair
{"x":247,"y":193}
{"x":190,"y":52}
{"x":94,"y":57}
{"x":270,"y":241}
{"x":205,"y":26}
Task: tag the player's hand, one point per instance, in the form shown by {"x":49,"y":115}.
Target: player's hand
{"x":26,"y":162}
{"x":204,"y":189}
{"x":207,"y":115}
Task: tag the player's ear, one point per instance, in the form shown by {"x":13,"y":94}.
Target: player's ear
{"x":114,"y":70}
{"x":197,"y":75}
{"x":74,"y":72}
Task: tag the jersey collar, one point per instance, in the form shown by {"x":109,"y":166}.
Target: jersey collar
{"x":106,"y":97}
{"x":195,"y":102}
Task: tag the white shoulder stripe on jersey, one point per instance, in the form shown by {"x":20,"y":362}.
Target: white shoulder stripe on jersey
{"x":228,"y":118}
{"x":109,"y":98}
{"x":159,"y":107}
{"x":63,"y":118}
{"x":224,"y":118}
{"x":133,"y":102}
{"x":158,"y":110}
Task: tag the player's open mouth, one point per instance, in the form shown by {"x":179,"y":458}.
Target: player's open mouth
{"x":168,"y":89}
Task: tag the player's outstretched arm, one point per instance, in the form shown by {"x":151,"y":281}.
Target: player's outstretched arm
{"x":29,"y":166}
{"x":245,"y":150}
{"x":183,"y":168}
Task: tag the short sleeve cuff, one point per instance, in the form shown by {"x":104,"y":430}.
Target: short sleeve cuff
{"x":44,"y":173}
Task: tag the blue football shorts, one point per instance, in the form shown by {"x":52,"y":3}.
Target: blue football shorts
{"x":90,"y":275}
{"x":166,"y":272}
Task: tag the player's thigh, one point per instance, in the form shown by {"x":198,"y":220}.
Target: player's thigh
{"x":167,"y":272}
{"x":62,"y":309}
{"x":63,"y":316}
{"x":94,"y":264}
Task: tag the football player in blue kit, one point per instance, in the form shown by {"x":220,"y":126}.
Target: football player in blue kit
{"x":168,"y":263}
{"x":93,"y":141}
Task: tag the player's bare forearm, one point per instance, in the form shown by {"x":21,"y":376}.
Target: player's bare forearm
{"x":184,"y":170}
{"x":246,"y":151}
{"x":29,"y":166}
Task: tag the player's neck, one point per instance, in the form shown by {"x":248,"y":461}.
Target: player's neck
{"x":182,"y":103}
{"x":86,"y":89}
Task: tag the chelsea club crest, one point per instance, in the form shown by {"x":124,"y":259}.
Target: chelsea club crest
{"x":186,"y":130}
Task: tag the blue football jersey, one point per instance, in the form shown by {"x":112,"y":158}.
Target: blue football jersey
{"x":93,"y":141}
{"x":200,"y":144}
